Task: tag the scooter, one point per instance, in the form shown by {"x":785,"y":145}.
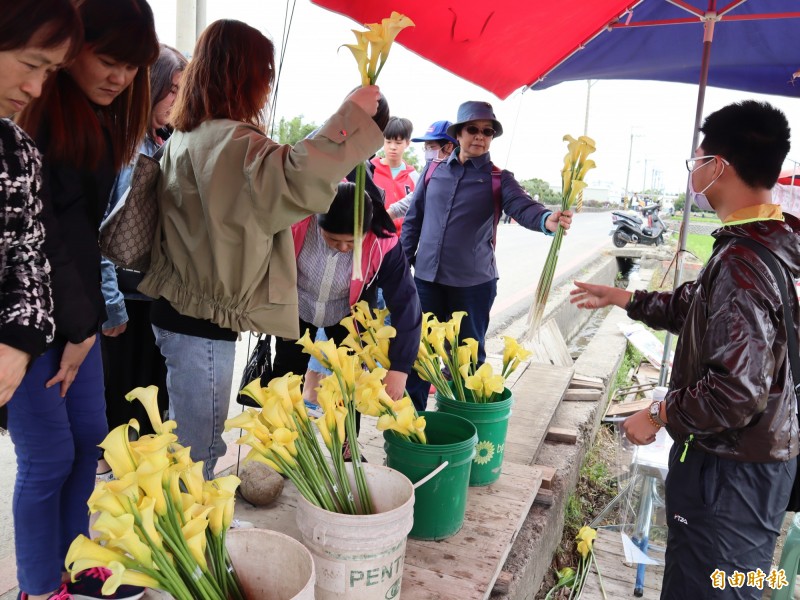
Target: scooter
{"x":630,"y":228}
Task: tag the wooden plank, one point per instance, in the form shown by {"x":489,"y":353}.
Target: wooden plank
{"x":618,"y":576}
{"x":544,"y":498}
{"x":562,"y":434}
{"x":585,"y":381}
{"x":548,"y":473}
{"x":536,"y":398}
{"x":583,"y":395}
{"x":503,"y":583}
{"x":623,"y":409}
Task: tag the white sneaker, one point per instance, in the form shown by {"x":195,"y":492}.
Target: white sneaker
{"x":313,"y":410}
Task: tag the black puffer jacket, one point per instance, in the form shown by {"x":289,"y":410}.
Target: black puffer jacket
{"x":731,"y":386}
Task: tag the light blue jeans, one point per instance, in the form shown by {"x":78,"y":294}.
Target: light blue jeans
{"x":199,"y":380}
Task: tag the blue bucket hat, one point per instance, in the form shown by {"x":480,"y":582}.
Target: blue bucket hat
{"x":435,"y":133}
{"x":475,"y":110}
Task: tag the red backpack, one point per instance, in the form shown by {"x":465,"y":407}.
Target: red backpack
{"x":497,"y":194}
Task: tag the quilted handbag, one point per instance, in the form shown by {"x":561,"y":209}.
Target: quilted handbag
{"x":128,"y":232}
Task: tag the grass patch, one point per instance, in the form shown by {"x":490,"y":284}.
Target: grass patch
{"x":630,"y":361}
{"x":710,"y":219}
{"x":700,"y":246}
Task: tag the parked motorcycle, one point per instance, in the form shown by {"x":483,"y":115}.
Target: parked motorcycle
{"x":630,"y":228}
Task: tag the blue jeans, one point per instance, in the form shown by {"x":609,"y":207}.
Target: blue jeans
{"x":55,"y":440}
{"x":443,"y":301}
{"x":199,"y":381}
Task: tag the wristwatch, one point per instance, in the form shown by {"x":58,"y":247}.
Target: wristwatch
{"x":655,"y":414}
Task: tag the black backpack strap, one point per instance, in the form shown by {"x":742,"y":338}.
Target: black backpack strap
{"x":778,"y":273}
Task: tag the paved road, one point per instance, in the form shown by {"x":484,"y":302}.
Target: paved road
{"x":520,"y":253}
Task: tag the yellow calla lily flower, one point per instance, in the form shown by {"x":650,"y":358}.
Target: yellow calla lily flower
{"x":148,"y":396}
{"x":193,"y":479}
{"x":85,"y":554}
{"x":309,"y":347}
{"x":151,"y":474}
{"x":117,"y":449}
{"x":256,"y":456}
{"x":101,"y":500}
{"x":122,"y":576}
{"x":285,"y":438}
{"x":126,"y":487}
{"x":117,"y":533}
{"x":255,"y":391}
{"x":149,"y":445}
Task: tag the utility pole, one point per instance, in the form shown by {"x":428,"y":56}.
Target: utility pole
{"x":628,"y":177}
{"x":644,"y":179}
{"x":190,"y":23}
{"x":589,"y":84}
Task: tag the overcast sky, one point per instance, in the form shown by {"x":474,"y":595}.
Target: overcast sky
{"x":316,"y":76}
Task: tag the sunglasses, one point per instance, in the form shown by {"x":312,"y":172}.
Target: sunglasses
{"x":486,"y":131}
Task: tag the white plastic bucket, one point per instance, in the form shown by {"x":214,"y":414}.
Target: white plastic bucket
{"x":271,"y":565}
{"x":360,"y":557}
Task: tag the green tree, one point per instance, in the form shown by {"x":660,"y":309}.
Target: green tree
{"x":680,"y":201}
{"x":293,"y":130}
{"x":541,"y":187}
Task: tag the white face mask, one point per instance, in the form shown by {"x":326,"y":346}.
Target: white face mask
{"x":699,"y":198}
{"x":431,"y":155}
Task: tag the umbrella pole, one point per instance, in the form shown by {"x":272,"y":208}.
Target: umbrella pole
{"x":708,"y":36}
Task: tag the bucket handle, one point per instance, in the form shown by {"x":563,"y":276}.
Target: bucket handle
{"x":431,"y":475}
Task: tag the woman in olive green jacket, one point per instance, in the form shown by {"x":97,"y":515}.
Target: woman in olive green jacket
{"x":223,"y":260}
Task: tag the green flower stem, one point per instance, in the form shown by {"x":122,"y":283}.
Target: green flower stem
{"x":183,"y":554}
{"x":358,"y":219}
{"x":599,"y":577}
{"x":230,"y":572}
{"x":311,"y":474}
{"x":343,"y":488}
{"x":317,"y":460}
{"x":187,"y":567}
{"x":358,"y":469}
{"x":546,"y":280}
{"x":166,"y":569}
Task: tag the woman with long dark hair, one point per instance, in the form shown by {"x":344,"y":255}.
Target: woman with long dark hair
{"x":223,"y":261}
{"x":88,"y":123}
{"x":131,"y":358}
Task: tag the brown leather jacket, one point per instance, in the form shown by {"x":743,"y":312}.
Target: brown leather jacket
{"x":731,"y":388}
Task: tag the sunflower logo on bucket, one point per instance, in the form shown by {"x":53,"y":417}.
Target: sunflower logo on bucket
{"x":484,"y":452}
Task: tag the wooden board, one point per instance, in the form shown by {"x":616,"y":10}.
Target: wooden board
{"x":622,"y":409}
{"x":537,"y":395}
{"x":618,"y":577}
{"x":549,"y":347}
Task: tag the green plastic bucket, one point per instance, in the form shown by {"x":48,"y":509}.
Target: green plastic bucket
{"x":441,"y":501}
{"x":491,"y":421}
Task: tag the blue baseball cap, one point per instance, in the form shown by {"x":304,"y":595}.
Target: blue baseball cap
{"x":435,"y":133}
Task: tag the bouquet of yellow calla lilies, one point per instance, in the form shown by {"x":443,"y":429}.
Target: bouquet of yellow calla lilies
{"x":369,"y":337}
{"x":470,"y":381}
{"x":370,"y":51}
{"x":160,"y":524}
{"x":576,"y":166}
{"x":574,"y":579}
{"x":282,"y":436}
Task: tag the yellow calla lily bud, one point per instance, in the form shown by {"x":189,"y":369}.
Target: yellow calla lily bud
{"x":122,"y":576}
{"x":194,"y":532}
{"x":146,"y":510}
{"x":126,"y":487}
{"x":285,"y":438}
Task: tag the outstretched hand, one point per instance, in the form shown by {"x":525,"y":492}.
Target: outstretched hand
{"x":592,"y":296}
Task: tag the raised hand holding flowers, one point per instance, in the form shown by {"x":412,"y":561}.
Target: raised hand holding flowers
{"x":371,"y":51}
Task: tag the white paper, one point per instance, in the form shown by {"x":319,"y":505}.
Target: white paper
{"x":634,"y":555}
